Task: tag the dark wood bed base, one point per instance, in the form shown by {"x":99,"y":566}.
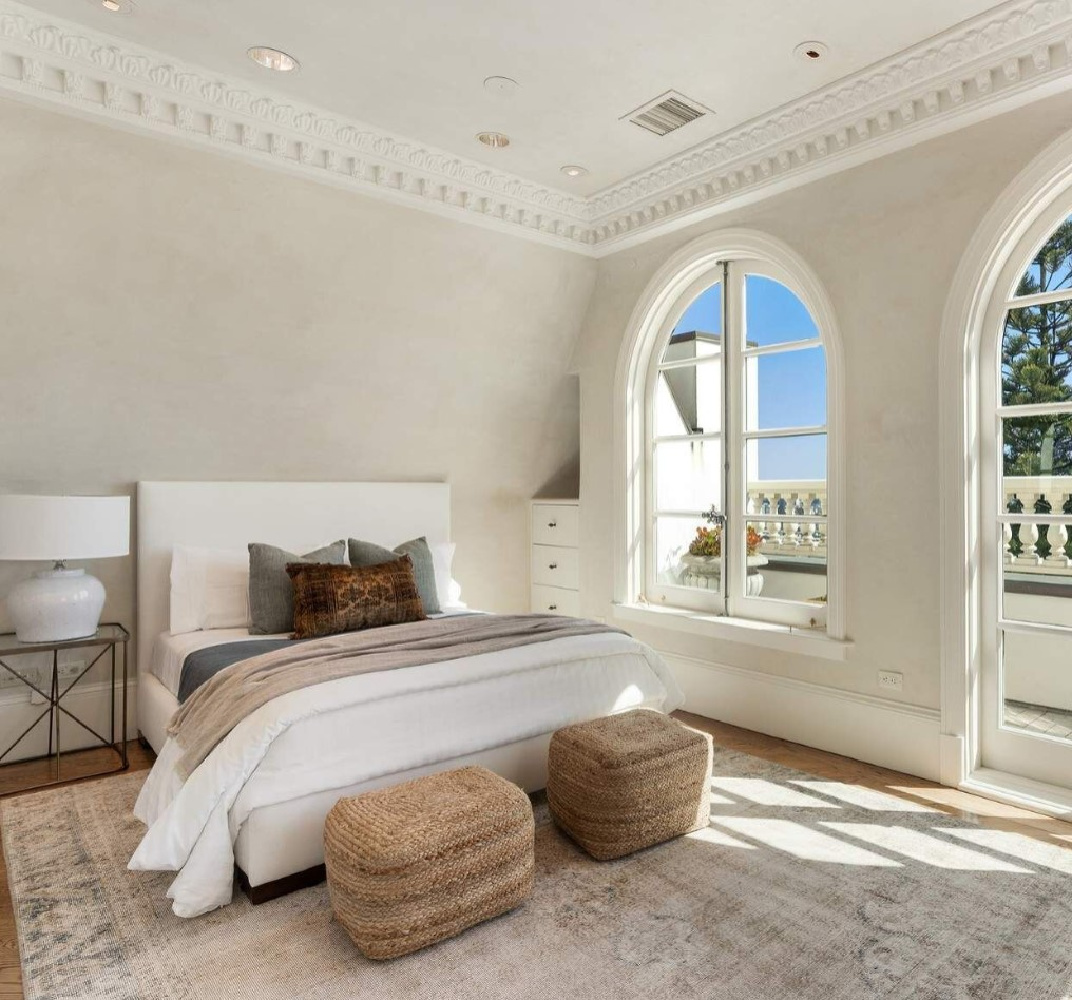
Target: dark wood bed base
{"x":281,"y":886}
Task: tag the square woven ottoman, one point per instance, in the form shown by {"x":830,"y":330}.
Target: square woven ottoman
{"x":420,"y":862}
{"x":618,"y":784}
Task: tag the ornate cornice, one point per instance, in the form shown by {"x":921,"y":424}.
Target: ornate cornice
{"x":981,"y":63}
{"x":46,"y":59}
{"x":1018,"y":50}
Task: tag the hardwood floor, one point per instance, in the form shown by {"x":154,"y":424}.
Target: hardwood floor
{"x":824,"y":765}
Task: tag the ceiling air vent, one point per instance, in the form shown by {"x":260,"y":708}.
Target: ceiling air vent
{"x":666,"y":113}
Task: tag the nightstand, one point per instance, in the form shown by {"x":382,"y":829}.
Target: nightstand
{"x":109,"y":642}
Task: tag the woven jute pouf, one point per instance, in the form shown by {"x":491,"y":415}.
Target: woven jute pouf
{"x":618,"y":784}
{"x":420,"y":862}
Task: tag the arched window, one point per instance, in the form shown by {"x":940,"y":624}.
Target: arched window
{"x":728,"y":508}
{"x":1025,"y":404}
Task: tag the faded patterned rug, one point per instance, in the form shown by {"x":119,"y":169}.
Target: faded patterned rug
{"x":800,"y":888}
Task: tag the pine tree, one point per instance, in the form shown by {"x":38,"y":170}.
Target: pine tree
{"x":1036,"y":365}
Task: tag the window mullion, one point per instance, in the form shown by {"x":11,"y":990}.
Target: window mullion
{"x":733,"y":562}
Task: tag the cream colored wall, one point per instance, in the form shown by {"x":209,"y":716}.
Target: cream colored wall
{"x":171,"y":314}
{"x":885,"y":239}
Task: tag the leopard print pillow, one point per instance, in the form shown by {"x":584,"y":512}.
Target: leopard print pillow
{"x":331,"y":599}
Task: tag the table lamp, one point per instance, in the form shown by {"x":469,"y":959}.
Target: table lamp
{"x":60,"y":603}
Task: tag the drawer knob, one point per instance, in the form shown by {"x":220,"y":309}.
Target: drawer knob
{"x":552,"y":607}
{"x":552,"y":566}
{"x":552,"y":524}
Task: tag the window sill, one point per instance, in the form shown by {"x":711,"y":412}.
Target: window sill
{"x":804,"y":642}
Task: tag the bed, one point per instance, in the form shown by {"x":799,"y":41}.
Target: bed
{"x":498,"y":710}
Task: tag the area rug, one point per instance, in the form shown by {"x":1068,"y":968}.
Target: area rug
{"x":800,"y":888}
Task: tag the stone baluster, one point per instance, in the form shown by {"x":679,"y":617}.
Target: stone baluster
{"x":798,"y":527}
{"x":1031,"y":543}
{"x":1042,"y":531}
{"x":1067,"y":509}
{"x":817,"y":510}
{"x":1015,"y":506}
{"x":765,"y":526}
{"x":1061,"y":543}
{"x":1006,"y":544}
{"x":782,"y":508}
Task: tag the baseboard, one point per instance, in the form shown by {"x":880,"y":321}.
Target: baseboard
{"x":89,"y":702}
{"x":875,"y":730}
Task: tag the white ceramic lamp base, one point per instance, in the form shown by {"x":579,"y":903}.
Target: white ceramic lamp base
{"x":56,"y":605}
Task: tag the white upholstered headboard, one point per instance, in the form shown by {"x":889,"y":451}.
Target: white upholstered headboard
{"x":295,"y":516}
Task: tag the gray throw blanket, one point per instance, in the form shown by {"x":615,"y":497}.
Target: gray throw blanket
{"x":222,"y":702}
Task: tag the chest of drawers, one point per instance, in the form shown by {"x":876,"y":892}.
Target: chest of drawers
{"x":555,"y":574}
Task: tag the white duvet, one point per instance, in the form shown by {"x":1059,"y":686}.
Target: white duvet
{"x":355,"y":729}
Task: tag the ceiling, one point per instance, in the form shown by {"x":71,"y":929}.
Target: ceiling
{"x":416,"y":67}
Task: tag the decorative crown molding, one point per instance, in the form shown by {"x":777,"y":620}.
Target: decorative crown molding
{"x":58,"y":62}
{"x":980,"y":66}
{"x":1010,"y":55}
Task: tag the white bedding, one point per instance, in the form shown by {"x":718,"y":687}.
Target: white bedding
{"x":345,"y":731}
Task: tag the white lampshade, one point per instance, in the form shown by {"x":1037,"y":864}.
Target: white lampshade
{"x":61,"y":528}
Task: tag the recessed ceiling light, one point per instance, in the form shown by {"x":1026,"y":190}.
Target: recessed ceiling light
{"x":496,"y":140}
{"x":573,"y":170}
{"x":274,"y":59}
{"x":810,"y":51}
{"x":501,"y":86}
{"x":116,"y":6}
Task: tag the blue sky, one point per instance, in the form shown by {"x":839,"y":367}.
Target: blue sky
{"x":792,"y":386}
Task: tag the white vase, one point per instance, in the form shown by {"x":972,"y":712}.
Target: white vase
{"x":56,"y":605}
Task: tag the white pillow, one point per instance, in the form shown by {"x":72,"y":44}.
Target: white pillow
{"x":209,"y":589}
{"x":447,"y":588}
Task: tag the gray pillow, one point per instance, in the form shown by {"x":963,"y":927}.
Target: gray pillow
{"x":371,"y":554}
{"x":271,"y":594}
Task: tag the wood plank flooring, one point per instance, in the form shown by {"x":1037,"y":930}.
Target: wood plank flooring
{"x":824,"y":765}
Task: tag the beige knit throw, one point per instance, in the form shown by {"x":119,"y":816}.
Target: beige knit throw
{"x":223,"y":701}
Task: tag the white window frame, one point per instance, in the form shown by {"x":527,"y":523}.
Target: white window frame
{"x":695,"y":267}
{"x":1032,"y":205}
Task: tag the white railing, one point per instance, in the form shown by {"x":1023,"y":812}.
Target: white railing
{"x":1038,"y":549}
{"x":769,"y":498}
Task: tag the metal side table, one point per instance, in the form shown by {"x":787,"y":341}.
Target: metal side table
{"x":107,"y":640}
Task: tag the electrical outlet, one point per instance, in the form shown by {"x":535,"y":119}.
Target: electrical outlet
{"x":70,"y":670}
{"x":890,"y":680}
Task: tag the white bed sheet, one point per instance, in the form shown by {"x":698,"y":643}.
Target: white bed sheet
{"x":354,"y":729}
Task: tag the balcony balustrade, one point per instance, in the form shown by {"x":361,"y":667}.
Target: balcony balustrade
{"x":770,"y":500}
{"x":1038,"y":549}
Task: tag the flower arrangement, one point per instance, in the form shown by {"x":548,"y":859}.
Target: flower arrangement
{"x":708,"y":542}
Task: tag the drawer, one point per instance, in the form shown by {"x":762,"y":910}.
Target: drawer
{"x":556,"y":566}
{"x":555,"y":524}
{"x":555,"y":600}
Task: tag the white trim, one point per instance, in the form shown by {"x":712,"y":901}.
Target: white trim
{"x":975,"y":286}
{"x":744,"y":630}
{"x":1017,"y":791}
{"x":990,"y":64}
{"x":656,"y":305}
{"x":875,"y":730}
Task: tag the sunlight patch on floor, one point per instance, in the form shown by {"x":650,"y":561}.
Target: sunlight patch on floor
{"x":924,"y":848}
{"x":768,"y":793}
{"x":1017,"y":845}
{"x":865,"y":798}
{"x":804,"y":842}
{"x":709,"y":835}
